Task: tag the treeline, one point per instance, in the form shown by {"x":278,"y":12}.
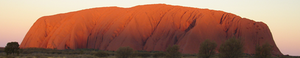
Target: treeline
{"x":231,"y":48}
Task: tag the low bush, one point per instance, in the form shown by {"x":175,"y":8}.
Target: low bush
{"x":172,"y":52}
{"x":263,"y":51}
{"x":231,"y":48}
{"x":124,"y":52}
{"x":143,"y":54}
{"x":159,"y":54}
{"x":101,"y":54}
{"x":207,"y":49}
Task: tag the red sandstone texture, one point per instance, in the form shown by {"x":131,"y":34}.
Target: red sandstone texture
{"x":146,"y":27}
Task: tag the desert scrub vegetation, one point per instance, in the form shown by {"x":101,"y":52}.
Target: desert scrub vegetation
{"x":263,"y":51}
{"x":91,"y":53}
{"x":172,"y":52}
{"x":143,"y":54}
{"x":159,"y":54}
{"x":11,"y":48}
{"x":102,"y":54}
{"x":231,"y":48}
{"x":124,"y":52}
{"x":207,"y":49}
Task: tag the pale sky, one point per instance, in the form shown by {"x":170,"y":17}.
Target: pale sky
{"x":282,"y":16}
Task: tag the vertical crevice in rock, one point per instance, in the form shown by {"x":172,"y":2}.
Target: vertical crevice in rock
{"x":222,"y":18}
{"x":67,"y":47}
{"x":46,"y":28}
{"x":155,"y":41}
{"x":175,"y":40}
{"x":192,"y":25}
{"x":158,"y":24}
{"x":226,"y":32}
{"x":235,"y":31}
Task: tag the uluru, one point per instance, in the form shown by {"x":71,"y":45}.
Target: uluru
{"x":152,"y":27}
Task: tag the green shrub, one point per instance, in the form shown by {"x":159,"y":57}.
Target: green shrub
{"x":143,"y":54}
{"x":12,"y":47}
{"x":231,"y":48}
{"x":207,"y":49}
{"x":159,"y":54}
{"x":124,"y":52}
{"x":263,"y":51}
{"x":172,"y":52}
{"x":101,"y":54}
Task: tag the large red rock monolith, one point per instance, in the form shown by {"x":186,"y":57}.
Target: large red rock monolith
{"x":146,"y":27}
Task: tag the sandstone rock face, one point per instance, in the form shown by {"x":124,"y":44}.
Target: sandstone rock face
{"x":146,"y":27}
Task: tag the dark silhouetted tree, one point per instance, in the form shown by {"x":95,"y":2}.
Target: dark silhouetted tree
{"x":207,"y":49}
{"x":102,"y":54}
{"x":124,"y":52}
{"x":231,"y":48}
{"x":12,"y":47}
{"x":263,"y":51}
{"x":172,"y":52}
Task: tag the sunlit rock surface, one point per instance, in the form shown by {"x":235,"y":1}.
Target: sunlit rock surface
{"x":146,"y":27}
